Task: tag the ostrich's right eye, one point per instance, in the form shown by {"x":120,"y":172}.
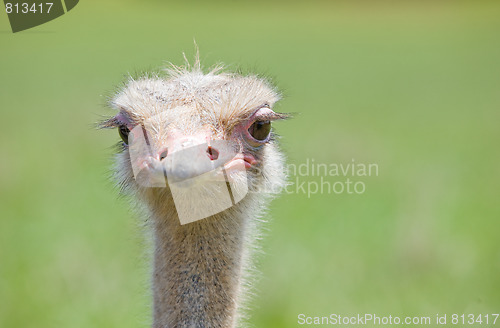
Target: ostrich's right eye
{"x":123,"y":131}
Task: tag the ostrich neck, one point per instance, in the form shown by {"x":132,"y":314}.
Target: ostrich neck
{"x":197,"y":270}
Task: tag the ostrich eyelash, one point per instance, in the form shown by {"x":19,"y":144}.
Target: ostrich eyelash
{"x":120,"y":119}
{"x":109,"y":123}
{"x":267,"y":115}
{"x":271,"y":116}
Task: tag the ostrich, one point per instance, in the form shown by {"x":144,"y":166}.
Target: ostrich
{"x":201,"y":269}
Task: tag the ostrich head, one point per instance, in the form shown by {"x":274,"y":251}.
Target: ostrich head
{"x":188,"y":123}
{"x":187,"y":135}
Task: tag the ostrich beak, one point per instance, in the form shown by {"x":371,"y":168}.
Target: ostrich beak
{"x":194,"y":169}
{"x":192,"y":160}
{"x":183,"y":158}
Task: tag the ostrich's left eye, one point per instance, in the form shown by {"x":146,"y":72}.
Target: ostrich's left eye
{"x":123,"y":131}
{"x":260,"y":130}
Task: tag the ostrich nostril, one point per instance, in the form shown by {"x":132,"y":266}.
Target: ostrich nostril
{"x":213,"y":153}
{"x":163,"y":154}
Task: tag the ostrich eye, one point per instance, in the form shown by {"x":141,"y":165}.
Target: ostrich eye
{"x":260,"y":130}
{"x":123,"y":131}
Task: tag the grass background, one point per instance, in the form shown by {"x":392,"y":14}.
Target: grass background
{"x":410,"y":86}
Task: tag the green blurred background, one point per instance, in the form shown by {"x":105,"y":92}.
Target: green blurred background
{"x":411,"y":86}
